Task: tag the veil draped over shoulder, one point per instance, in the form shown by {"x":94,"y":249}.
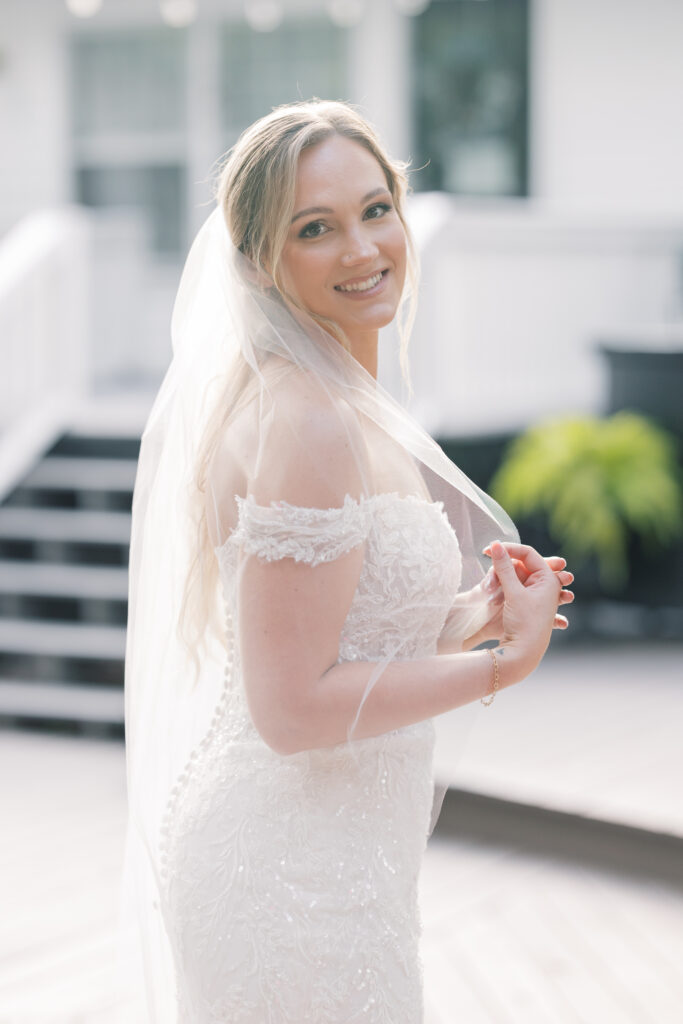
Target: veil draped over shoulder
{"x":277,"y":411}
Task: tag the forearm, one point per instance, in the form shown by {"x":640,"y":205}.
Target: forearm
{"x":405,"y":692}
{"x":446,"y":646}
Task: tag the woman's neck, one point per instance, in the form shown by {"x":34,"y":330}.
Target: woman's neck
{"x":364,"y":351}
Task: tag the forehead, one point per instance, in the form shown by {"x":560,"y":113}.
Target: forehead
{"x":336,"y":166}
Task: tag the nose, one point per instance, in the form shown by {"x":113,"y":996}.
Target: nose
{"x":359,"y":250}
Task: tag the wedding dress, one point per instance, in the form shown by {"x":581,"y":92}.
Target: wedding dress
{"x":261,"y":887}
{"x":290,"y":882}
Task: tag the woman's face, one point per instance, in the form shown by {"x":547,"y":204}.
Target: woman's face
{"x":345,"y":255}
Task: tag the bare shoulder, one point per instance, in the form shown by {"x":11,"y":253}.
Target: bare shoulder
{"x":313,"y":448}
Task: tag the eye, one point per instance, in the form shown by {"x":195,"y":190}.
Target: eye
{"x":377,"y":210}
{"x":314,"y":229}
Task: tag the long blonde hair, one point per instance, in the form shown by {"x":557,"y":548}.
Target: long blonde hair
{"x":255,"y":188}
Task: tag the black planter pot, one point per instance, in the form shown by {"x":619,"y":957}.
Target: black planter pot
{"x":645,"y":375}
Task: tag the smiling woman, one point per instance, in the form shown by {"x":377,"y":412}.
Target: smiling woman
{"x":280,"y":763}
{"x":345,"y":254}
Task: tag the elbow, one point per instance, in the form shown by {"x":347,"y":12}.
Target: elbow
{"x":280,"y":739}
{"x":281,"y":728}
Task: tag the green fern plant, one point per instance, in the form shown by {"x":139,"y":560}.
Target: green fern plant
{"x":596,"y":481}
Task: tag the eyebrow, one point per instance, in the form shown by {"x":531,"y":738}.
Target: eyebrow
{"x":327,"y":209}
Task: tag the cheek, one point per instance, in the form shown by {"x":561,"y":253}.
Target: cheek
{"x":397,"y":244}
{"x":400,"y":255}
{"x":302,"y":271}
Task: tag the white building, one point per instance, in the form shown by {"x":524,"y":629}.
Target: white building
{"x":573,"y":105}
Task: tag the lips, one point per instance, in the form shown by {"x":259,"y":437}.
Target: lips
{"x":361,"y":284}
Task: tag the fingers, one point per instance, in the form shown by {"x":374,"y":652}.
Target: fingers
{"x":560,"y":622}
{"x":530,"y":558}
{"x":492,"y":585}
{"x":504,"y":568}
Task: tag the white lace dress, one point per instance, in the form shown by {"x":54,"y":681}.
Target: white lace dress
{"x":290,"y":884}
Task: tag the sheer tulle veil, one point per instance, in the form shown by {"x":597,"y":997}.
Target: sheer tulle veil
{"x":242,"y":357}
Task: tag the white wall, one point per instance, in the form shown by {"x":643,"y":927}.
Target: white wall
{"x":607,"y":104}
{"x":513,"y":300}
{"x":34,"y":125}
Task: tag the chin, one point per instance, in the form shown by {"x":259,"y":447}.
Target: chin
{"x":380,"y":318}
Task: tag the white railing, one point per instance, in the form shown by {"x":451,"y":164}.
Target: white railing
{"x":44,"y":267}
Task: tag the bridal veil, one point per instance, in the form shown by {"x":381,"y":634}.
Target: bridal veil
{"x":253,"y":383}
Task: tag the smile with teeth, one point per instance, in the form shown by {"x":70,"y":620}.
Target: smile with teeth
{"x":361,"y":286}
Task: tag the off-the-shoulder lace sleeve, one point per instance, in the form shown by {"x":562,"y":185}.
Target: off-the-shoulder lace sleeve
{"x":311,"y":535}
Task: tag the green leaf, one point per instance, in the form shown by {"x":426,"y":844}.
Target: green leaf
{"x":596,"y":481}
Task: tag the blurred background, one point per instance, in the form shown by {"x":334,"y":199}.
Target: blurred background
{"x":547,"y":358}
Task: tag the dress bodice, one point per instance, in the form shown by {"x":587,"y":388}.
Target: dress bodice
{"x":410,"y":574}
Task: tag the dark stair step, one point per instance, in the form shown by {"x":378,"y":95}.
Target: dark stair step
{"x":72,"y":482}
{"x":40,"y":650}
{"x":71,"y":473}
{"x":68,"y":535}
{"x":46,"y":590}
{"x":96,"y":446}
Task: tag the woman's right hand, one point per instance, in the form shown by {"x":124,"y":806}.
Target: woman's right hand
{"x":529,"y":609}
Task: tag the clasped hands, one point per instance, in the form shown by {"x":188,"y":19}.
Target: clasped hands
{"x":533,"y":572}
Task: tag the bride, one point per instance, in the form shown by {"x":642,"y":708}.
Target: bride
{"x":309,"y":579}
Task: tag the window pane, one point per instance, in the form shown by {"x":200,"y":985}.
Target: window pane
{"x":471,"y":91}
{"x":301,"y":59}
{"x":158,"y":191}
{"x":128,"y":82}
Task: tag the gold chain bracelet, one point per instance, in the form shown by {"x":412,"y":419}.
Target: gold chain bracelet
{"x":488,"y":701}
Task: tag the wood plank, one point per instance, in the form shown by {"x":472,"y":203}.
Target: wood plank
{"x":507,"y":937}
{"x":75,"y":525}
{"x":62,"y":580}
{"x":62,"y":472}
{"x":62,"y":639}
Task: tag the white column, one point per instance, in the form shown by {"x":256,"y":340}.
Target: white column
{"x":379,"y":73}
{"x":204,"y":139}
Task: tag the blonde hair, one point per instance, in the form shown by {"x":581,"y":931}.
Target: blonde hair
{"x":255,"y":189}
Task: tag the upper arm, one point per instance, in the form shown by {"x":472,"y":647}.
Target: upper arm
{"x":301,"y":535}
{"x":290,"y":618}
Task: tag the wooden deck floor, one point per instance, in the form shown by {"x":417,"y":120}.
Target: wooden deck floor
{"x":510,"y":937}
{"x":595,"y":731}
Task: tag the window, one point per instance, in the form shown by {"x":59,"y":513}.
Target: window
{"x":470,"y":63}
{"x":299,"y":60}
{"x":129,"y":123}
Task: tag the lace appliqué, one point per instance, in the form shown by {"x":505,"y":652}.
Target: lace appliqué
{"x":305,"y":534}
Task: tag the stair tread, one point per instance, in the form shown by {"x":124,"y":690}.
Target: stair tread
{"x":65,"y":639}
{"x":61,"y":472}
{"x":55,"y":579}
{"x":62,"y":700}
{"x":65,"y":525}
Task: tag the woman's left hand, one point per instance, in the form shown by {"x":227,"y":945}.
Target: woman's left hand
{"x":490,"y":583}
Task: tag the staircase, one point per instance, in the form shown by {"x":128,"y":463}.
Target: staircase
{"x":64,"y":536}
